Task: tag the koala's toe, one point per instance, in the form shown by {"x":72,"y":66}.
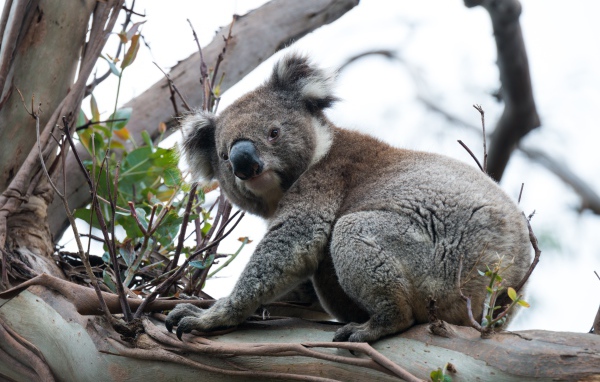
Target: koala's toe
{"x":344,"y":333}
{"x":187,"y":324}
{"x":179,"y":312}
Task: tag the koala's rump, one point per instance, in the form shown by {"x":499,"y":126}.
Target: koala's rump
{"x":427,"y":212}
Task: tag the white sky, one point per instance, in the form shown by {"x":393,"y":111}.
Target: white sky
{"x":451,"y":52}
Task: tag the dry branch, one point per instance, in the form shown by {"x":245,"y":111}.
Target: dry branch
{"x":251,"y":44}
{"x":520,"y":114}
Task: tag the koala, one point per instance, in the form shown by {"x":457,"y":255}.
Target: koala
{"x":378,"y":230}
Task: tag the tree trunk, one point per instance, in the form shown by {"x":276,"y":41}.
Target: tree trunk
{"x":42,"y":42}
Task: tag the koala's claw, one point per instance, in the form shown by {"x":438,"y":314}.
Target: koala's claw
{"x":180,"y":332}
{"x":353,"y":332}
{"x":178,"y":313}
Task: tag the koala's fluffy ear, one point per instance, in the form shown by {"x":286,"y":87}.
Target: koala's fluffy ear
{"x":313,"y":85}
{"x":198,"y":145}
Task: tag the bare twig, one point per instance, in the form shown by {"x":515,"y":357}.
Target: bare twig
{"x":222,"y":56}
{"x":536,"y":258}
{"x":184,"y":224}
{"x":390,"y":54}
{"x":467,"y":299}
{"x":173,"y":90}
{"x":485,"y":155}
{"x":520,"y":193}
{"x":471,"y":153}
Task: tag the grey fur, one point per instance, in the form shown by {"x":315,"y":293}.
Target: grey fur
{"x":377,"y":229}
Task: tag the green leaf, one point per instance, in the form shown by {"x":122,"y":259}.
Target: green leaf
{"x":512,"y":293}
{"x":85,"y":137}
{"x":120,"y":118}
{"x":94,"y":108}
{"x":108,"y":281}
{"x":147,"y":139}
{"x":127,"y":255}
{"x":112,"y":66}
{"x":129,"y":225}
{"x":164,"y":157}
{"x":205,"y":228}
{"x":524,"y":304}
{"x":203,"y":264}
{"x":131,"y":54}
{"x":141,"y":213}
{"x":168,"y":229}
{"x":82,"y":119}
{"x":440,"y":376}
{"x":172,"y":177}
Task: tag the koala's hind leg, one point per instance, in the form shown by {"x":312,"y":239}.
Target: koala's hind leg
{"x":365,"y":249}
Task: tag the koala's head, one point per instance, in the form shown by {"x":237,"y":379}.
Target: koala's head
{"x":261,"y":144}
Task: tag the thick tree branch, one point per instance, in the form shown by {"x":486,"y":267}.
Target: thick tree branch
{"x":252,"y":43}
{"x":520,"y":114}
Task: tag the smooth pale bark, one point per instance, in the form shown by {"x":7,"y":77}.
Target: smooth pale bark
{"x":41,"y":45}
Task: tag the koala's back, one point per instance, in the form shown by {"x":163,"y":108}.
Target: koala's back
{"x":422,"y":213}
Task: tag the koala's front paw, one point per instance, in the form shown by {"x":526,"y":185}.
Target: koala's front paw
{"x":188,"y":317}
{"x":179,"y":312}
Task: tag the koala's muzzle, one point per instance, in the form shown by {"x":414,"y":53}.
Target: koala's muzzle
{"x":245,"y":160}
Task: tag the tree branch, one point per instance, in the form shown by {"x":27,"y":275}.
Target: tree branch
{"x":520,"y":114}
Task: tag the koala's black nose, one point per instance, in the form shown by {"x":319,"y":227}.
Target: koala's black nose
{"x":245,"y":160}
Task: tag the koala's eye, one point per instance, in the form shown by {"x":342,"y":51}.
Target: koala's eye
{"x":273,"y":134}
{"x":224,"y":156}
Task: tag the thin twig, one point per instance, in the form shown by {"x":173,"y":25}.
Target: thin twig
{"x":467,"y":299}
{"x":90,"y":123}
{"x":184,"y":224}
{"x":485,"y":155}
{"x":471,"y":153}
{"x":174,"y":88}
{"x":536,"y":258}
{"x":520,"y":193}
